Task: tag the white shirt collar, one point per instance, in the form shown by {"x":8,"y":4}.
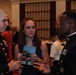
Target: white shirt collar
{"x":71,"y":34}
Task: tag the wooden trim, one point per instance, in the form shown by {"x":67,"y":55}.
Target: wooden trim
{"x":22,"y":12}
{"x":52,"y":18}
{"x":68,"y":5}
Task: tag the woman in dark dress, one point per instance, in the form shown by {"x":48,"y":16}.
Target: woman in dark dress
{"x":31,"y":47}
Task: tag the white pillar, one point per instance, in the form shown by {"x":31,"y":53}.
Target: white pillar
{"x":15,"y":14}
{"x":60,"y":7}
{"x":73,"y":5}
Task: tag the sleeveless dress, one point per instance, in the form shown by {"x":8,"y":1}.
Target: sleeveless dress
{"x":30,"y":70}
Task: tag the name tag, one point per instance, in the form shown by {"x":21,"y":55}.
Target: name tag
{"x":64,"y":52}
{"x":30,"y":63}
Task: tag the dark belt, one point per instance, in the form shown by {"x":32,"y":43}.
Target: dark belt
{"x":55,"y":63}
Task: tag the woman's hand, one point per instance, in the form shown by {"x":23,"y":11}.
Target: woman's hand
{"x":33,"y":57}
{"x":19,"y":56}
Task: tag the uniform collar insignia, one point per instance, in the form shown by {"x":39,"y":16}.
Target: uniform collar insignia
{"x":4,"y":43}
{"x":61,"y":69}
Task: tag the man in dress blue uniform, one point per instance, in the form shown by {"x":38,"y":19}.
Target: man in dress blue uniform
{"x":67,"y":64}
{"x":5,"y":67}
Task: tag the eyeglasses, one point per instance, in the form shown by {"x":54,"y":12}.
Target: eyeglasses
{"x":4,"y":20}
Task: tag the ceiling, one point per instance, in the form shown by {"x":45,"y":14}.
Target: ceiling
{"x":4,"y":0}
{"x":27,"y":0}
{"x":9,"y":0}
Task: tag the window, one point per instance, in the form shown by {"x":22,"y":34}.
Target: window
{"x":41,"y":13}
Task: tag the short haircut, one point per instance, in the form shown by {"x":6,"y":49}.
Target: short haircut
{"x":70,"y":15}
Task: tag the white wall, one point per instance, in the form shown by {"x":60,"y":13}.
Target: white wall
{"x":60,"y":7}
{"x":6,"y":6}
{"x":15,"y":14}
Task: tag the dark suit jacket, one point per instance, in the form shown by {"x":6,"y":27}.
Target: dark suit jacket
{"x":14,"y":40}
{"x":4,"y":69}
{"x":67,"y":64}
{"x":15,"y":37}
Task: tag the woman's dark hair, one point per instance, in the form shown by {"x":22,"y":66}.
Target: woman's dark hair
{"x":22,"y":36}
